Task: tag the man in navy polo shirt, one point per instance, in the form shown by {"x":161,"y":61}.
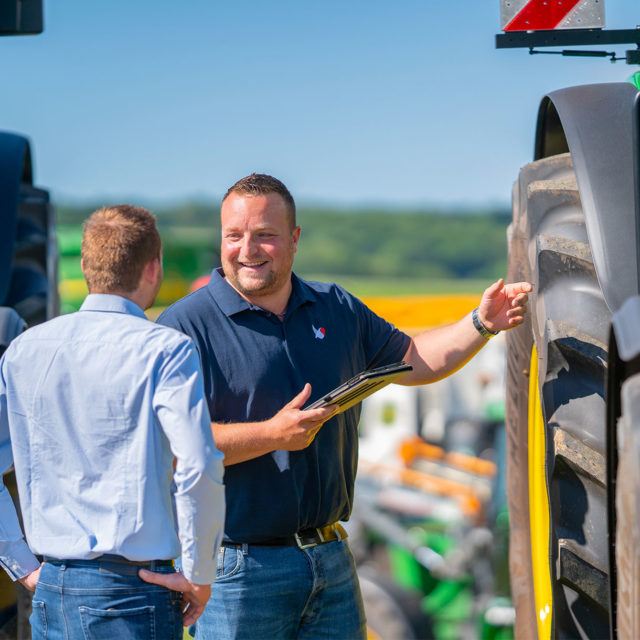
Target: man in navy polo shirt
{"x":271,"y":343}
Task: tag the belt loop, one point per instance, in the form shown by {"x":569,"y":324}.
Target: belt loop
{"x":245,"y":549}
{"x":336,"y":528}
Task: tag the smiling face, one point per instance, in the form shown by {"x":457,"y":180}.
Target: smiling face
{"x":258,"y":245}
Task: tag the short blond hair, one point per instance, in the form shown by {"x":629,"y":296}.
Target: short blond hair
{"x":117,"y":243}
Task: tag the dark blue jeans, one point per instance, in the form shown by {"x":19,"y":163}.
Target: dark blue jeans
{"x":95,"y":600}
{"x":281,"y":593}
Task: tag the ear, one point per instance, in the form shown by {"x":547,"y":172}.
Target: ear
{"x":83,"y":274}
{"x":151,"y":270}
{"x":296,"y":236}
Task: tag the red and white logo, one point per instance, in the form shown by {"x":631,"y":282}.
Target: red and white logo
{"x":531,"y":15}
{"x":319,"y":333}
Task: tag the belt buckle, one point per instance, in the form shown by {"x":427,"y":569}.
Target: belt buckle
{"x":302,"y":545}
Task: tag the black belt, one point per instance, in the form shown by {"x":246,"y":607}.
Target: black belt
{"x":304,"y":539}
{"x":114,"y":559}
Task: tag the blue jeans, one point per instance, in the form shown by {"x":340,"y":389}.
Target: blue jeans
{"x":284,"y":592}
{"x":96,"y":600}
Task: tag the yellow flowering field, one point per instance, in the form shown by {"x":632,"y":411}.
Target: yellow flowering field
{"x":414,"y":313}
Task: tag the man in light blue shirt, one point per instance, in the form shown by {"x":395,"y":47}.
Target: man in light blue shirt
{"x":94,"y":407}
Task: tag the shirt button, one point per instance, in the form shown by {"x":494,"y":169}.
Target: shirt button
{"x":197,"y":573}
{"x":197,"y":538}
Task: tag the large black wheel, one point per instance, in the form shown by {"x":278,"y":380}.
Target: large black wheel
{"x":28,"y":249}
{"x":29,"y":285}
{"x":33,"y":288}
{"x":555,"y":414}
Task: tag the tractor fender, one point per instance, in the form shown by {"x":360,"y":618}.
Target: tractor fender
{"x":625,"y":326}
{"x":15,"y":168}
{"x":599,"y":124}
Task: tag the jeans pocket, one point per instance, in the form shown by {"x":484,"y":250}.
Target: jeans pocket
{"x":175,"y":598}
{"x":107,"y":624}
{"x":230,"y":561}
{"x":38,"y":619}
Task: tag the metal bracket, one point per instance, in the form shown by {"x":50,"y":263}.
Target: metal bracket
{"x":573,"y":37}
{"x":578,"y":53}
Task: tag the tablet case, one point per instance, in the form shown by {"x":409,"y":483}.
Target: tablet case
{"x":362,"y":385}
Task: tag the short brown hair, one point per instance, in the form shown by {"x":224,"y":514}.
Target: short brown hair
{"x":117,"y":243}
{"x":258,"y":184}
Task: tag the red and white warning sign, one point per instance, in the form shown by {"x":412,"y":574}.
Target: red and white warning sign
{"x":531,"y":15}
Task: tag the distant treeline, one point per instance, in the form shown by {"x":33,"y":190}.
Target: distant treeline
{"x":364,"y":242}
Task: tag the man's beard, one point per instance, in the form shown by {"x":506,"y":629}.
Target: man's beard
{"x":271,"y":283}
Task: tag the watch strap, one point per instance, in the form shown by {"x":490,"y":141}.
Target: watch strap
{"x":482,"y":330}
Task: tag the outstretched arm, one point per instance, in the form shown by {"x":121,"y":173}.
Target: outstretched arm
{"x":438,"y":353}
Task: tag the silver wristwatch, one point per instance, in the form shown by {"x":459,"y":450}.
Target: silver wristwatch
{"x":482,"y":330}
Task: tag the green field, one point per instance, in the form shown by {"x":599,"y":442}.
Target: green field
{"x":402,"y":286}
{"x":370,"y":253}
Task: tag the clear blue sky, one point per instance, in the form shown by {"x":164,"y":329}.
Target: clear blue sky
{"x":348,"y":102}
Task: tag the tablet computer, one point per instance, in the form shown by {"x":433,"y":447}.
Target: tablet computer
{"x":362,"y":385}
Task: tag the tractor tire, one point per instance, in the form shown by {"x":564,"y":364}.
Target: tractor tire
{"x":555,"y":414}
{"x":33,"y":288}
{"x":627,"y":509}
{"x":31,"y":281}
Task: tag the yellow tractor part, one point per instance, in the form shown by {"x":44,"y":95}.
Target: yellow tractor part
{"x":539,"y":506}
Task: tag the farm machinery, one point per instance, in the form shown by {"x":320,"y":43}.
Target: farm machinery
{"x":429,"y":527}
{"x":572,"y":384}
{"x":28,"y":295}
{"x":428,"y":530}
{"x":28,"y":270}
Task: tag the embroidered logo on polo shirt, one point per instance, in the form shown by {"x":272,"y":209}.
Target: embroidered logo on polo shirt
{"x":319,"y":333}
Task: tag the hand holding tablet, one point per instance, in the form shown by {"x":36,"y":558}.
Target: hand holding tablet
{"x":362,"y":385}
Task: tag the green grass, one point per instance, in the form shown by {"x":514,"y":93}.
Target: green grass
{"x":361,"y":286}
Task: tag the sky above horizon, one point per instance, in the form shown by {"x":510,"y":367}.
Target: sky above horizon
{"x":349,"y":103}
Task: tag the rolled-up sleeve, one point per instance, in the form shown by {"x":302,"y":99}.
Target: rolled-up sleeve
{"x":15,"y":556}
{"x":199,"y":495}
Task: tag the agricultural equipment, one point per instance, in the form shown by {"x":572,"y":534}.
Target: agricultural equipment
{"x":28,"y":270}
{"x":429,"y":527}
{"x":28,"y":295}
{"x":572,"y":407}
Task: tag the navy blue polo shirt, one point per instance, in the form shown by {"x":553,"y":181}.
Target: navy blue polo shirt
{"x":254,"y":364}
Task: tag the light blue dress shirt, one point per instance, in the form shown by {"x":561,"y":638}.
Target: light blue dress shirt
{"x":94,"y":406}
